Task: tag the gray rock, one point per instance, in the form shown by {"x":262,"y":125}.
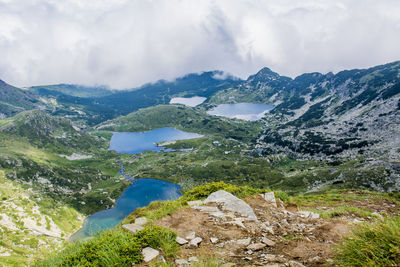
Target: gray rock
{"x":231,"y":203}
{"x":267,"y":229}
{"x":194,"y":243}
{"x":270,"y":198}
{"x":218,"y":215}
{"x":132,"y":227}
{"x":268,"y":242}
{"x":191,"y":235}
{"x":270,"y":257}
{"x":141,"y":221}
{"x":243,"y":242}
{"x":161,"y":259}
{"x":256,"y":246}
{"x":181,"y":262}
{"x":309,"y":214}
{"x":149,"y":254}
{"x":180,"y":240}
{"x":237,"y":223}
{"x":206,"y":209}
{"x":214,"y":240}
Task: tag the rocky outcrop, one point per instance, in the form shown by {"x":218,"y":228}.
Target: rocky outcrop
{"x":228,"y":202}
{"x":255,"y":231}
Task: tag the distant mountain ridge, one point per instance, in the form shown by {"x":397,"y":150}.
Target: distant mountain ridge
{"x":72,"y":90}
{"x":14,"y":100}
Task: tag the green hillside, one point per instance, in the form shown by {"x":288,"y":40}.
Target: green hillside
{"x":14,"y":100}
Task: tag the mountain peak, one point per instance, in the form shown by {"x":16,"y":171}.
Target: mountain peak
{"x":265,"y":74}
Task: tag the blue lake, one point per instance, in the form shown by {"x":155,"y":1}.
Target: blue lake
{"x":142,"y":191}
{"x":137,"y":142}
{"x":243,"y":111}
{"x":139,"y":194}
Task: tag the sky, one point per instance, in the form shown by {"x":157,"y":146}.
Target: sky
{"x":125,"y":43}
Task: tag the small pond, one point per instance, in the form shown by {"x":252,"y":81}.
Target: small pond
{"x":136,"y":142}
{"x":188,"y":101}
{"x":244,"y":111}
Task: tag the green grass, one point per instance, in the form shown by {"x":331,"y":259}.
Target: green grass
{"x":116,"y":247}
{"x":372,"y":245}
{"x":344,"y":210}
{"x":337,"y":197}
{"x":203,"y":191}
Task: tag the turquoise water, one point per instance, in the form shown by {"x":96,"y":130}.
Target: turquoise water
{"x":136,"y":142}
{"x":139,"y":194}
{"x":244,"y":111}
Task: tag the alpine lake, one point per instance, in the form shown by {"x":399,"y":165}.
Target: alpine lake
{"x":143,"y":191}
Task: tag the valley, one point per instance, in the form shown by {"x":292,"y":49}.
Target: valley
{"x":60,"y":157}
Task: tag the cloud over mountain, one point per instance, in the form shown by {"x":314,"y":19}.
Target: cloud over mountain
{"x":124,"y":43}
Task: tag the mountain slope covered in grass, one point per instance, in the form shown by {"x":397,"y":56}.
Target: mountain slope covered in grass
{"x":14,"y":100}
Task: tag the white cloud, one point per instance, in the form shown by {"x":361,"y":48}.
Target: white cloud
{"x":125,"y":43}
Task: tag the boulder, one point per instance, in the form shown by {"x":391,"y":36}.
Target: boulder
{"x":231,"y":203}
{"x":191,"y":235}
{"x":256,"y":246}
{"x":243,"y":242}
{"x":270,"y":198}
{"x":181,"y":241}
{"x":194,"y":243}
{"x":132,"y":227}
{"x":268,"y":242}
{"x":149,"y":254}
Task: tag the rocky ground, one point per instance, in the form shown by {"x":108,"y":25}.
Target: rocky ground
{"x":259,"y":230}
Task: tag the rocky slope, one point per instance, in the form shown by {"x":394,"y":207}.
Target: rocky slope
{"x":345,"y":114}
{"x":31,"y":224}
{"x":349,"y":115}
{"x":261,"y":230}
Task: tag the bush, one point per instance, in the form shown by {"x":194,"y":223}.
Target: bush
{"x":372,"y":245}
